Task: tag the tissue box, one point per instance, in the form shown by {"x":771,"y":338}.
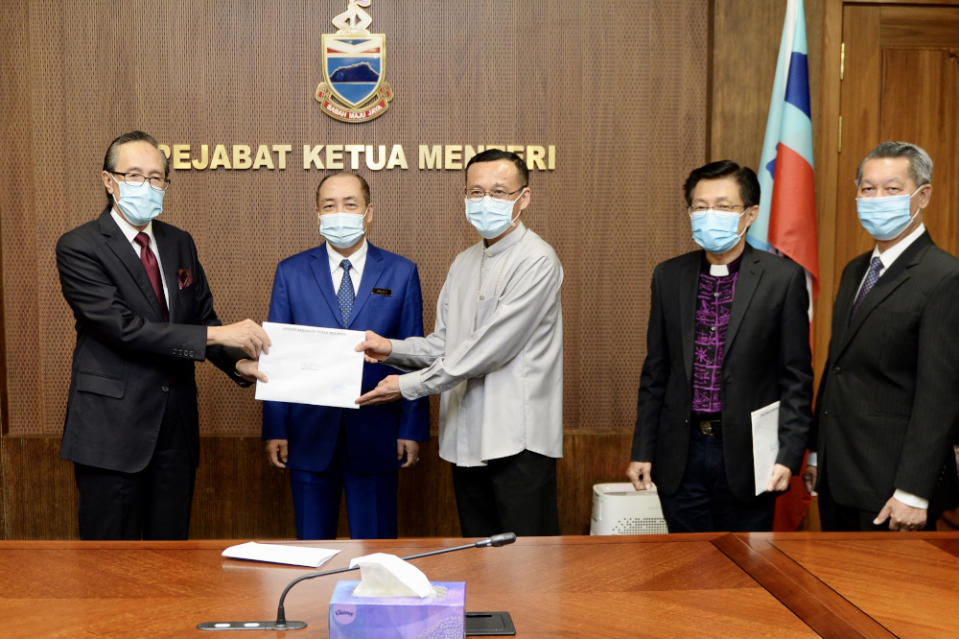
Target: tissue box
{"x":398,"y":617}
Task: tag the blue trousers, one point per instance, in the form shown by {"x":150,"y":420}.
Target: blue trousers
{"x":370,"y":500}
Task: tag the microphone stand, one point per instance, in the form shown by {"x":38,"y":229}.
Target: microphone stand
{"x":282,"y":624}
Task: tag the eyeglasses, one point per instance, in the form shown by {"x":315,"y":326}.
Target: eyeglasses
{"x":497,"y":194}
{"x":158,"y":183}
{"x":725,"y":208}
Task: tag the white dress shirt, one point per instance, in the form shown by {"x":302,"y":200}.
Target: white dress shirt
{"x":357,"y":263}
{"x":130,"y":232}
{"x":496,"y":354}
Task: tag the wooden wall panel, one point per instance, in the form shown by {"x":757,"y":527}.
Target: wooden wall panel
{"x":239,"y":496}
{"x":619,"y":86}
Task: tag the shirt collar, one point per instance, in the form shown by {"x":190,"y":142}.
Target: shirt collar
{"x":892,"y":253}
{"x":504,"y":244}
{"x":357,"y":260}
{"x":130,"y":231}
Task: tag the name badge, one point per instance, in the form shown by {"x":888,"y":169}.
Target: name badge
{"x":382,"y":291}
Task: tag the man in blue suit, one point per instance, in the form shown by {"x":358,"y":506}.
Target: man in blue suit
{"x":346,"y":283}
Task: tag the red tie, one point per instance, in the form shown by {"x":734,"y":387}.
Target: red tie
{"x":149,"y":261}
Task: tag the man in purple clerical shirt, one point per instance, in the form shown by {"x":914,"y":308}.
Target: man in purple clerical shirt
{"x":728,"y":335}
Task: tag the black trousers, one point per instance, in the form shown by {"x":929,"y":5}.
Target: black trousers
{"x":703,"y":501}
{"x":151,"y":504}
{"x":836,"y":517}
{"x":511,"y":494}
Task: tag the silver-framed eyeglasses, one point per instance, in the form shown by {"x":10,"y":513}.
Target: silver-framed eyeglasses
{"x":497,"y":194}
{"x":737,"y":209}
{"x":157,"y":183}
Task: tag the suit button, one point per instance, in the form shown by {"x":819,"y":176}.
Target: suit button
{"x":165,"y":388}
{"x":825,"y":412}
{"x":837,"y":370}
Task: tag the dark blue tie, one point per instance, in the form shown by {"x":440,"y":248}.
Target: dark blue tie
{"x":346,"y":295}
{"x":872,"y":276}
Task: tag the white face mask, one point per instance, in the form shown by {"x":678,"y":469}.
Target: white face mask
{"x":490,"y":216}
{"x":716,"y":231}
{"x":342,"y":230}
{"x":139,"y":203}
{"x":886,"y":217}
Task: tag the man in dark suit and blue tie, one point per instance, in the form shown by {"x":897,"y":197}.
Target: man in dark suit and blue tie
{"x":728,"y":334}
{"x":887,"y":413}
{"x":346,"y":283}
{"x":144,"y":315}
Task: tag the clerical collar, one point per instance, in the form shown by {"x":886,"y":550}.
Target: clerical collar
{"x":721,"y":270}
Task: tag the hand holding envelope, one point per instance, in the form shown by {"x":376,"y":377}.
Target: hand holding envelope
{"x":769,"y":475}
{"x":311,"y":365}
{"x":375,"y":349}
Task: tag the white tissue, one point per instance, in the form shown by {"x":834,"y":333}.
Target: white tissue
{"x":385,"y":575}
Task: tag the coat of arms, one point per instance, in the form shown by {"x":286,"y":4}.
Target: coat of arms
{"x":354,"y":63}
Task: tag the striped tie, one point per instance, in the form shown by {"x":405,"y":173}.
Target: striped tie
{"x":872,"y":276}
{"x":345,"y":295}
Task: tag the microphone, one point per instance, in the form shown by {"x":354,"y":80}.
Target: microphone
{"x":281,"y":623}
{"x":497,"y":540}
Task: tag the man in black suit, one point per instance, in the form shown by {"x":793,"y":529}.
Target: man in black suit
{"x":887,"y":413}
{"x":144,"y":314}
{"x":728,"y":334}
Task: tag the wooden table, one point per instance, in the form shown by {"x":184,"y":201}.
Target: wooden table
{"x":716,"y":585}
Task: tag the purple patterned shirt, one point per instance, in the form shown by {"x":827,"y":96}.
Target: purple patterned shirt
{"x":714,"y":301}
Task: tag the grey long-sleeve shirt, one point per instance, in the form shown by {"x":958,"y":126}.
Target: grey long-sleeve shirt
{"x":496,"y":354}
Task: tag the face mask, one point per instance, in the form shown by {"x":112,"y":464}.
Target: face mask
{"x":715,"y":231}
{"x":489,"y":216}
{"x":139,"y":203}
{"x":342,"y":230}
{"x":885,"y":217}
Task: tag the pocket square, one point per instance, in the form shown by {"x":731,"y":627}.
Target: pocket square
{"x":184,"y":277}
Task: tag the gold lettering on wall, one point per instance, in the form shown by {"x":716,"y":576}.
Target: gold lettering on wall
{"x":239,"y":156}
{"x":430,"y":157}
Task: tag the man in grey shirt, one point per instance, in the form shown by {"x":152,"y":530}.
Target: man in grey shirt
{"x":496,"y":358}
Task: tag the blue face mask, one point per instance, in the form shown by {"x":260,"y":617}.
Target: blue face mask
{"x":139,"y":203}
{"x":489,"y":216}
{"x":715,"y":231}
{"x":885,"y":217}
{"x":342,"y":230}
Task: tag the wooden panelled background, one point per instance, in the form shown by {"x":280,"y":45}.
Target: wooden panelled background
{"x":633,"y":93}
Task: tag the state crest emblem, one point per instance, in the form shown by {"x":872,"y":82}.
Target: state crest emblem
{"x":354,"y":63}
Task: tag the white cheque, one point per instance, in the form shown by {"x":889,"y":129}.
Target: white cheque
{"x":312,"y":365}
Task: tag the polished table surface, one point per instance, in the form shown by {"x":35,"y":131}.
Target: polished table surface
{"x":701,"y":585}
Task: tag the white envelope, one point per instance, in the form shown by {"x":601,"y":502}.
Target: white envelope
{"x":312,"y":365}
{"x":280,"y":554}
{"x":765,"y":443}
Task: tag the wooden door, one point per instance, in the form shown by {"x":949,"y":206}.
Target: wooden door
{"x":898,"y":79}
{"x":900,"y":82}
{"x":890,"y":72}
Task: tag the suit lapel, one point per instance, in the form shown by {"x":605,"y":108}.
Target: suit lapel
{"x":117,"y":242}
{"x":168,"y":262}
{"x":320,"y":265}
{"x":750,"y":272}
{"x":897,"y":275}
{"x":688,"y":287}
{"x":371,"y":273}
{"x":847,"y":294}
